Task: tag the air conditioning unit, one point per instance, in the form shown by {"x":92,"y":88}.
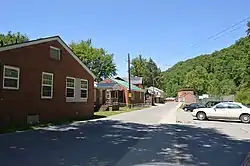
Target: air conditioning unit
{"x":33,"y":119}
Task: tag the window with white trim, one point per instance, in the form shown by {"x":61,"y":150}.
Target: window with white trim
{"x":84,"y":89}
{"x":47,"y":85}
{"x":55,"y":53}
{"x":11,"y":77}
{"x":70,"y":87}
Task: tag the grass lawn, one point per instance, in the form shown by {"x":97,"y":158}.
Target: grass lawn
{"x":122,"y":110}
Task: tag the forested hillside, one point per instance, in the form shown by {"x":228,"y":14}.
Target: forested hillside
{"x":223,"y":72}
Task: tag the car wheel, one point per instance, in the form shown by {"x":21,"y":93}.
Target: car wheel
{"x":245,"y":118}
{"x":201,"y":116}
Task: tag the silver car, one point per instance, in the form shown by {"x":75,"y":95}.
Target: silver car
{"x":224,"y":110}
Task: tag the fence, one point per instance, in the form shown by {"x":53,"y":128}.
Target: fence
{"x":217,"y":98}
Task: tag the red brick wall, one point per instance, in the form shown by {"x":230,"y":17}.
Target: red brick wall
{"x":33,"y":60}
{"x":187,"y":96}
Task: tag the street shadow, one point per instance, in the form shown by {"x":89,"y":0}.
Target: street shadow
{"x":107,"y":143}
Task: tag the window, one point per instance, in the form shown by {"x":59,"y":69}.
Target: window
{"x":133,"y":95}
{"x":108,"y":94}
{"x":222,"y":106}
{"x":233,"y":106}
{"x":47,"y":85}
{"x":55,"y":53}
{"x":11,"y":77}
{"x":84,"y":89}
{"x":70,"y":87}
{"x":141,"y":95}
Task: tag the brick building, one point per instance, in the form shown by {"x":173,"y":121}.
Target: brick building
{"x":43,"y":80}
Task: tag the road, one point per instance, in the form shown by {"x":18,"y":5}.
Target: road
{"x":146,"y":137}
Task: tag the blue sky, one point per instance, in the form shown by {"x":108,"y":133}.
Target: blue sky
{"x":168,"y":31}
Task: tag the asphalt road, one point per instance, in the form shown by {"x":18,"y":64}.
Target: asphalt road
{"x":146,"y":137}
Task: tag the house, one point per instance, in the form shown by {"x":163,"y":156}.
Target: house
{"x":187,"y":95}
{"x":116,"y":90}
{"x":137,"y":81}
{"x":159,"y":95}
{"x":43,"y":80}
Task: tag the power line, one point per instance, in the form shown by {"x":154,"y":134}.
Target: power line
{"x":246,"y":19}
{"x":234,"y":25}
{"x":235,"y":29}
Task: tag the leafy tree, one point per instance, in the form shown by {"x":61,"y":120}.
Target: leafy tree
{"x":12,"y":38}
{"x":147,"y":69}
{"x":197,"y":79}
{"x":138,"y":67}
{"x":243,"y":96}
{"x":248,"y":28}
{"x":220,"y":73}
{"x":98,"y":60}
{"x":227,"y":87}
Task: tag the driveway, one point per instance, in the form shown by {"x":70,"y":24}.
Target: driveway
{"x":145,"y":137}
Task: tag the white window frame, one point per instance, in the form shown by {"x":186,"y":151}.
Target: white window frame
{"x":84,"y":88}
{"x":47,"y":97}
{"x":70,"y":88}
{"x":58,"y":49}
{"x":14,"y":78}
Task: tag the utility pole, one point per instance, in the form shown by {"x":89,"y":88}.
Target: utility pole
{"x":153,"y":95}
{"x":129,"y":82}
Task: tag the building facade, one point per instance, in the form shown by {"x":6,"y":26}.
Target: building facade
{"x":43,"y":81}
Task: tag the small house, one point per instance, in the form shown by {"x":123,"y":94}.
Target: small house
{"x":42,"y":81}
{"x":187,"y":95}
{"x":137,"y":81}
{"x":116,"y":91}
{"x":159,"y":95}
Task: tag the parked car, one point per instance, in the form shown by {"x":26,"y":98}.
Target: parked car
{"x":210,"y":104}
{"x":191,"y":107}
{"x":224,"y":110}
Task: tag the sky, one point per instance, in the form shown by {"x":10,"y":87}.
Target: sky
{"x":168,"y":31}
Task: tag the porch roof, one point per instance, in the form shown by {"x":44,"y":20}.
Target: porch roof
{"x":125,"y":84}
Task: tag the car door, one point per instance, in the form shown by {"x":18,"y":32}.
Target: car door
{"x":220,"y":111}
{"x":234,"y":110}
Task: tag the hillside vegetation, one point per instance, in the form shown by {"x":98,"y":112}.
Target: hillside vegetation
{"x":223,"y":72}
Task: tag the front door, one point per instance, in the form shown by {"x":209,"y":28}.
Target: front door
{"x":220,"y":111}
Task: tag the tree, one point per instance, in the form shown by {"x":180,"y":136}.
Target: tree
{"x":243,"y":96}
{"x":138,"y":67}
{"x":197,"y":79}
{"x":147,"y":69}
{"x":98,"y":60}
{"x":248,"y":28}
{"x":152,"y":74}
{"x":12,"y":38}
{"x":228,"y":71}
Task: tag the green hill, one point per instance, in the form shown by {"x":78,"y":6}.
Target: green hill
{"x":223,"y":72}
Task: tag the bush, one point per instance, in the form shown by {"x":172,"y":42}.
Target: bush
{"x":243,"y":96}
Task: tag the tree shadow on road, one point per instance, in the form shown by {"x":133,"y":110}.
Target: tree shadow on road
{"x":107,"y":142}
